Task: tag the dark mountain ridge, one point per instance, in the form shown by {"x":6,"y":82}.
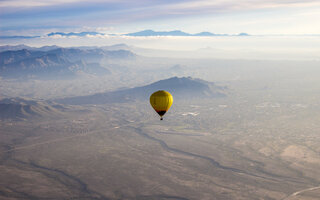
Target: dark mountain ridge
{"x":22,"y":109}
{"x":11,"y":56}
{"x":58,"y":62}
{"x":74,"y":34}
{"x":181,"y":88}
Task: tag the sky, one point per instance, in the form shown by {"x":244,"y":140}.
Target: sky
{"x":258,"y":17}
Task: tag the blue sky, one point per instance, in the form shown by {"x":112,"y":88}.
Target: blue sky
{"x":36,"y":17}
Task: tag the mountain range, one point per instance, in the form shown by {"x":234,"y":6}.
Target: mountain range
{"x":184,"y":88}
{"x":81,"y":34}
{"x":145,"y":33}
{"x":178,"y":33}
{"x":22,"y":109}
{"x":57,"y":62}
{"x":115,"y":47}
{"x":22,"y":46}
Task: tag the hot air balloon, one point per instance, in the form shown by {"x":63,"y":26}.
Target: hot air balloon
{"x":161,"y":101}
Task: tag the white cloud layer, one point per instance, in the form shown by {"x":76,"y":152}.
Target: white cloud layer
{"x":220,"y":16}
{"x":178,"y":5}
{"x":37,"y":3}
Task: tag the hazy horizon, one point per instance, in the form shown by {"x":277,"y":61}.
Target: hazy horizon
{"x":217,"y":47}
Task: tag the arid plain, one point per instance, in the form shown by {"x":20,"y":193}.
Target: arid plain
{"x":244,"y":146}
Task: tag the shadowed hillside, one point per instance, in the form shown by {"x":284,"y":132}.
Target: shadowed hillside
{"x":22,"y":109}
{"x":57,"y":63}
{"x":180,"y":88}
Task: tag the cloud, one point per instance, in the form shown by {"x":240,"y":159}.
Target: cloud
{"x":82,"y":15}
{"x":149,"y":8}
{"x":37,"y":3}
{"x":213,"y":6}
{"x":179,"y":4}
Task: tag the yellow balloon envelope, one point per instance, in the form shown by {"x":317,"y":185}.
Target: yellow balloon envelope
{"x":161,"y":101}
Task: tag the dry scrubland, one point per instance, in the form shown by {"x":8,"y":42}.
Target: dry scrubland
{"x":254,"y":144}
{"x":259,"y":142}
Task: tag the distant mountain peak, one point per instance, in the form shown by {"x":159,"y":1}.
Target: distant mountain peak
{"x":243,"y":34}
{"x":150,"y":32}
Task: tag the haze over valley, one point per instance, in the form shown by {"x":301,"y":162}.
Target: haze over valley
{"x":76,"y":123}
